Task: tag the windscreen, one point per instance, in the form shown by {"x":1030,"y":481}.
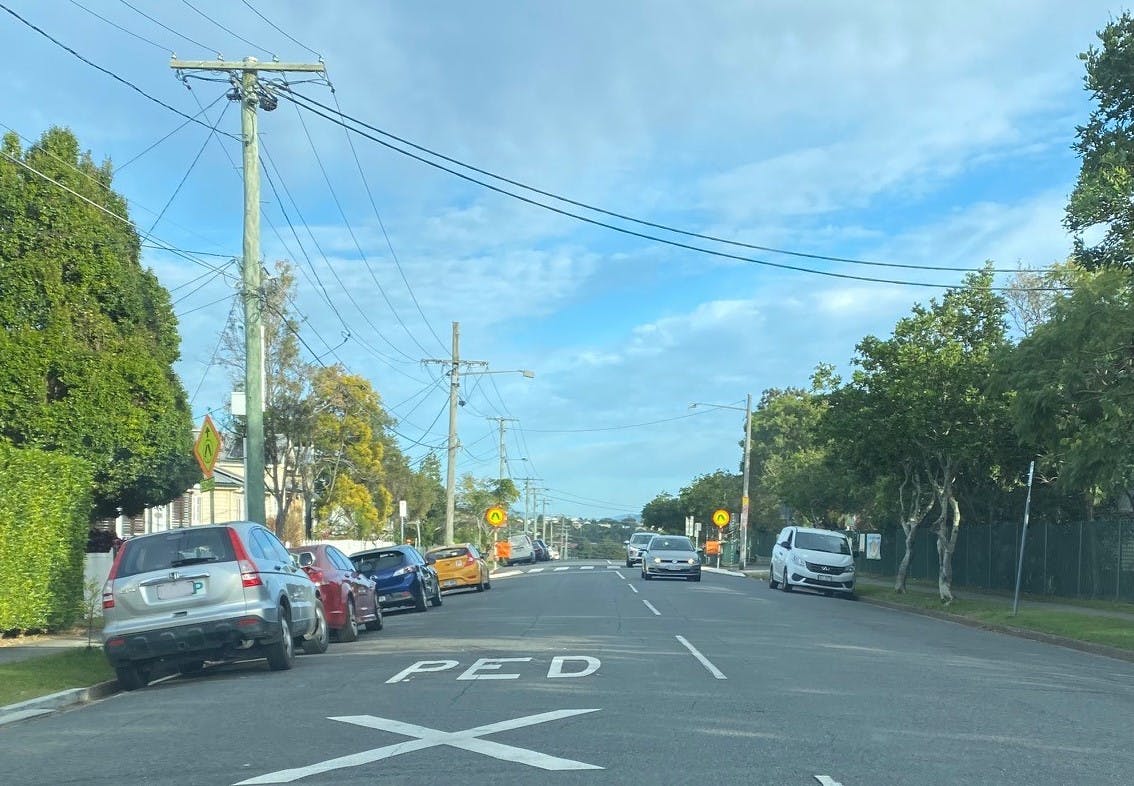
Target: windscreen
{"x":670,"y":544}
{"x":641,"y":538}
{"x":818,"y":541}
{"x":174,"y":549}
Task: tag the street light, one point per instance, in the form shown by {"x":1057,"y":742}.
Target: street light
{"x":747,"y":452}
{"x":451,"y":469}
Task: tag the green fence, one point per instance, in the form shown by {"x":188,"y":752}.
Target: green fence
{"x":1060,"y":559}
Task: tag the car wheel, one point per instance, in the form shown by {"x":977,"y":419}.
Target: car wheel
{"x":695,"y":578}
{"x":784,"y":585}
{"x":629,"y":564}
{"x":480,"y":585}
{"x":436,"y":599}
{"x":132,"y":676}
{"x":645,"y":575}
{"x":281,"y":654}
{"x":851,"y":595}
{"x":772,"y":583}
{"x":349,"y":631}
{"x":376,"y":623}
{"x":419,"y":603}
{"x":190,"y":666}
{"x":488,"y":582}
{"x":321,"y":638}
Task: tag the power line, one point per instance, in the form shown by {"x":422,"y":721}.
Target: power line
{"x":120,"y":27}
{"x":350,"y":231}
{"x":229,"y":31}
{"x":204,"y":109}
{"x":189,"y":171}
{"x":167,"y":28}
{"x":282,"y":32}
{"x":615,"y":428}
{"x":382,"y":224}
{"x":97,"y":67}
{"x":614,"y":214}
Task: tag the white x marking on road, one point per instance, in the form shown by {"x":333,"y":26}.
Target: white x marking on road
{"x":468,"y":740}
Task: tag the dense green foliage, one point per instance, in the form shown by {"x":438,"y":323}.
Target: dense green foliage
{"x":87,"y":337}
{"x":45,"y":507}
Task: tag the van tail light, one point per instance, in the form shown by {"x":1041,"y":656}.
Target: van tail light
{"x":108,"y":587}
{"x":249,"y":576}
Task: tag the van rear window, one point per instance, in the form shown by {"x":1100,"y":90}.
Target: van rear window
{"x":174,"y":549}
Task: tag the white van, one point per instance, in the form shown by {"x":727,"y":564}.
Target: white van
{"x":522,"y":549}
{"x":818,"y":559}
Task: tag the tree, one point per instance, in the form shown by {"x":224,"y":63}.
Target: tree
{"x":349,"y":449}
{"x":1073,"y":385}
{"x":924,"y":399}
{"x":1104,"y":193}
{"x":709,"y":492}
{"x":88,"y":338}
{"x":664,"y":513}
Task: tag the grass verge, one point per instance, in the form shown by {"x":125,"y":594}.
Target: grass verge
{"x":28,"y":679}
{"x":1094,"y":628}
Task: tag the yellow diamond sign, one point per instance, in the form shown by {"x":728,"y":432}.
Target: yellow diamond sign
{"x":207,"y":447}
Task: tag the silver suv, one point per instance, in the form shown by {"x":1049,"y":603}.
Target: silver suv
{"x":635,"y":546}
{"x":219,"y":592}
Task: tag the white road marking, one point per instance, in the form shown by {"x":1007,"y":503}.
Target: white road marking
{"x":704,"y":661}
{"x":587,"y":567}
{"x":535,"y":570}
{"x":468,"y":740}
{"x":631,"y":586}
{"x":619,"y":574}
{"x":827,"y":780}
{"x":504,"y":573}
{"x":559,"y":569}
{"x":650,"y":606}
{"x":613,"y":567}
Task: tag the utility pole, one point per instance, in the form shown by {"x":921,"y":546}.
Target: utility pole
{"x":503,"y":464}
{"x":744,"y":492}
{"x":252,"y":94}
{"x":454,"y":384}
{"x":546,"y":529}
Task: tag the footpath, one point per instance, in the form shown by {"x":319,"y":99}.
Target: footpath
{"x":22,"y":649}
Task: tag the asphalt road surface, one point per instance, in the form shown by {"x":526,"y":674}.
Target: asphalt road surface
{"x":583,"y":673}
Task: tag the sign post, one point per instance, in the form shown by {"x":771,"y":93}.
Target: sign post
{"x":206,"y":449}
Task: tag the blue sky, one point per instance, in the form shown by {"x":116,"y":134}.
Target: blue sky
{"x":919,"y":134}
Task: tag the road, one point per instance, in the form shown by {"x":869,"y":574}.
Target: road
{"x":583,"y":673}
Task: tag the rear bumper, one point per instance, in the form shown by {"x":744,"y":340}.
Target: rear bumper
{"x":466,"y":578}
{"x":404,"y":593}
{"x":217,"y":640}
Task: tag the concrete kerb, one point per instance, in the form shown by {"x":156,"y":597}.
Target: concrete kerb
{"x":43,"y":705}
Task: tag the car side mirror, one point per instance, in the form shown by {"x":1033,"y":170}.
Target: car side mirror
{"x":786,"y":545}
{"x":625,"y":543}
{"x":304,"y":560}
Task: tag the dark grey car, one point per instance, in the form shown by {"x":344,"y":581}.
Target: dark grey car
{"x":219,"y":592}
{"x":671,"y":556}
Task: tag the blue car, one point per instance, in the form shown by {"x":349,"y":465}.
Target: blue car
{"x":402,"y":576}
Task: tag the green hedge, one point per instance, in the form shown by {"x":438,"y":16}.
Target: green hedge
{"x":45,"y":512}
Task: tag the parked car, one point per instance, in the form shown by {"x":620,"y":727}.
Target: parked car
{"x":541,"y":552}
{"x":520,"y":549}
{"x":553,"y":552}
{"x":670,"y":556}
{"x":459,"y":566}
{"x":635,"y":546}
{"x":815,"y":558}
{"x":349,"y":598}
{"x":208,"y":593}
{"x":402,"y":575}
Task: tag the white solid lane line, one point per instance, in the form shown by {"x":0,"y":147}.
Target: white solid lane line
{"x":631,"y":586}
{"x":650,"y":606}
{"x":704,"y":661}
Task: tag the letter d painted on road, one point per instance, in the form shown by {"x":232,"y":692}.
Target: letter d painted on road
{"x":556,"y":670}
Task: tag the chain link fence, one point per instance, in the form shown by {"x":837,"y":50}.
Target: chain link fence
{"x":1076,"y":560}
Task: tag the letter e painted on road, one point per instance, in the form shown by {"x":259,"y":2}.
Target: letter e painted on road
{"x":421,"y":667}
{"x":556,"y":670}
{"x":488,"y":664}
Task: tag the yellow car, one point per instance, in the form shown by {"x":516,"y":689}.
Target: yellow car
{"x":459,"y":567}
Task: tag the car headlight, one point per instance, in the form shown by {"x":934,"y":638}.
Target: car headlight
{"x":657,"y":560}
{"x":797,"y":560}
{"x":849,"y":569}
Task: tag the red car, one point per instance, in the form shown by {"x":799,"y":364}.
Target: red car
{"x":349,"y":598}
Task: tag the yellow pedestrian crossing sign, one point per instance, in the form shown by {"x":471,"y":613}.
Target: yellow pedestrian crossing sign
{"x":496,"y":516}
{"x":721,"y":517}
{"x":207,"y":447}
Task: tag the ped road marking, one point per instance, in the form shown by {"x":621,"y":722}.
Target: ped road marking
{"x":535,"y":570}
{"x":559,"y":569}
{"x":468,"y":740}
{"x":650,"y":606}
{"x":588,"y":567}
{"x":704,"y":661}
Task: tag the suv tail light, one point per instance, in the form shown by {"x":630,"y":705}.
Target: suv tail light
{"x":249,"y":575}
{"x":108,"y":587}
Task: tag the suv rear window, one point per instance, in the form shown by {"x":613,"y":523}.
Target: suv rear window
{"x":175,"y":549}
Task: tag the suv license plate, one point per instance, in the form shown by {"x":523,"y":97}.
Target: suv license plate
{"x":178,"y":589}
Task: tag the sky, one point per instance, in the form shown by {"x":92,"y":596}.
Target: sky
{"x":912,"y":134}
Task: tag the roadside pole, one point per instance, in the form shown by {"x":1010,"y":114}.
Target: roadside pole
{"x":1023,"y":539}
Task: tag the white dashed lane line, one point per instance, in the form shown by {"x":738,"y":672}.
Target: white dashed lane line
{"x":650,"y":606}
{"x":631,"y":586}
